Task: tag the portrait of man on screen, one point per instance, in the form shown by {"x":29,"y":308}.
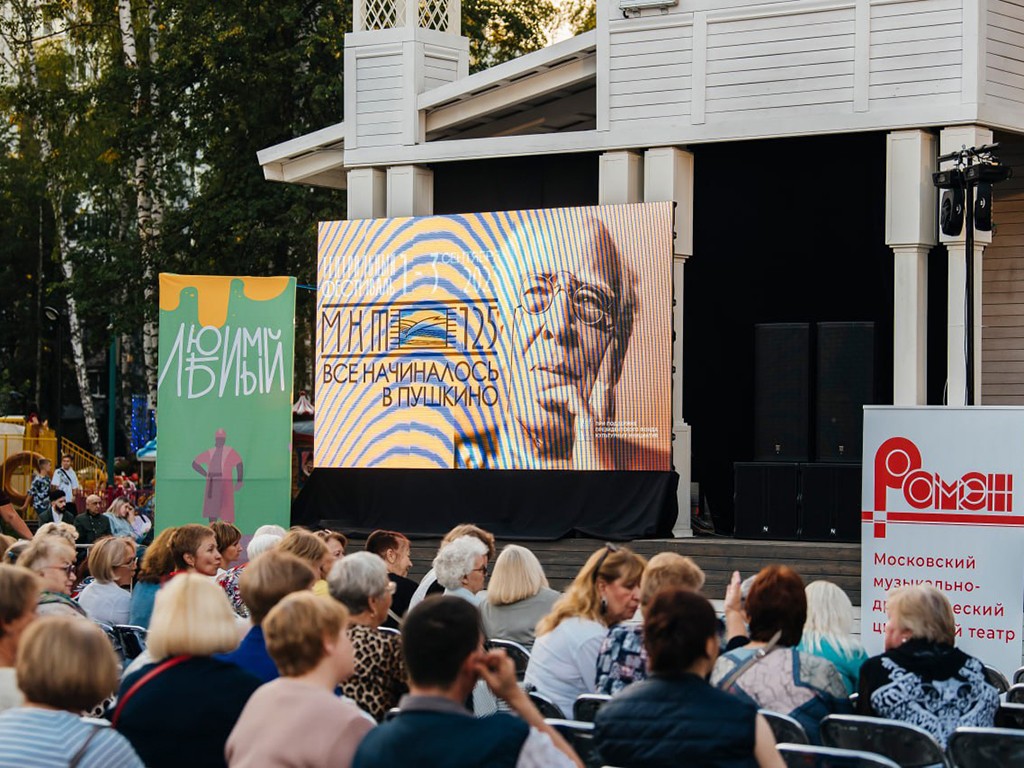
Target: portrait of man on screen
{"x":574,"y":305}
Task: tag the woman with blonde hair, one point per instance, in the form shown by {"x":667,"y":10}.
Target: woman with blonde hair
{"x":180,"y":709}
{"x":828,"y":631}
{"x":623,"y":658}
{"x":313,"y":550}
{"x":53,"y":558}
{"x":921,"y":678}
{"x":112,"y":566}
{"x":65,"y":667}
{"x":605,"y":592}
{"x":19,"y":593}
{"x":518,"y":596}
{"x":296,"y":719}
{"x":156,"y":567}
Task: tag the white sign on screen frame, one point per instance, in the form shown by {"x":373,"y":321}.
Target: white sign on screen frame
{"x":943,"y":503}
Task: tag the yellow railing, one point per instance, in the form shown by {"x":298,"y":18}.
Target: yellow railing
{"x":20,"y":454}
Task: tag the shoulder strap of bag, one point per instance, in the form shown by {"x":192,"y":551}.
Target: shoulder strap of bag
{"x":77,"y":757}
{"x":171,"y":662}
{"x":726,"y":682}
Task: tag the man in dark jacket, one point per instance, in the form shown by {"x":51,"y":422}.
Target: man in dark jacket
{"x":92,"y":524}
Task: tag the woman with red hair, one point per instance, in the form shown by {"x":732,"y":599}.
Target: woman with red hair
{"x":770,"y":671}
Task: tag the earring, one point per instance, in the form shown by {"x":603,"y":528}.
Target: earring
{"x":604,"y":606}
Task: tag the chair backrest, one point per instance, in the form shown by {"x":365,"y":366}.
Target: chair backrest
{"x":518,"y":653}
{"x":987,"y":748}
{"x":586,"y":705}
{"x":903,"y":743}
{"x":996,"y":679}
{"x":1018,"y":676}
{"x":548,"y":709}
{"x":787,"y":729}
{"x":1015,"y":694}
{"x":115,"y":641}
{"x":580,"y":736}
{"x":389,"y":630}
{"x":807,"y":756}
{"x":133,"y":639}
{"x":1010,"y":715}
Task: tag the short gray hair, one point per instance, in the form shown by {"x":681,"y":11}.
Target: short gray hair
{"x":457,"y":559}
{"x":260,"y":543}
{"x":356,"y":578}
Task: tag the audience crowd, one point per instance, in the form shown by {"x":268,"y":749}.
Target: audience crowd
{"x":305,"y":653}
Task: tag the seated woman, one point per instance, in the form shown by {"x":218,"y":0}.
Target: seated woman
{"x":65,"y":667}
{"x":428,"y":584}
{"x":53,"y":558}
{"x":229,"y":579}
{"x":180,"y":710}
{"x":312,"y":549}
{"x":623,"y":659}
{"x":828,"y":631}
{"x":19,"y":593}
{"x":461,"y":568}
{"x":157,"y":566}
{"x":296,"y":719}
{"x":360,"y":582}
{"x":229,"y":543}
{"x":785,"y":680}
{"x":112,"y":565}
{"x":121,"y":514}
{"x":517,"y":597}
{"x":605,"y":592}
{"x":674,"y":717}
{"x":921,"y":678}
{"x":194,"y":549}
{"x":271,"y":577}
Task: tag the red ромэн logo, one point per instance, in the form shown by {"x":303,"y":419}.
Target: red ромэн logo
{"x":932,"y":498}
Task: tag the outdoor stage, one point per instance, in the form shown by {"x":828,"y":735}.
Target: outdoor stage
{"x":718,"y":556}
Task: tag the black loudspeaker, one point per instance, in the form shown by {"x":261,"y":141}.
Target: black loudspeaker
{"x":983,"y":207}
{"x":845,"y":384}
{"x":781,"y":391}
{"x":951,"y":212}
{"x":765,"y":500}
{"x":830,"y":502}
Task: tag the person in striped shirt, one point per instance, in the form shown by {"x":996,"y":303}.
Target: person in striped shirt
{"x":65,"y":666}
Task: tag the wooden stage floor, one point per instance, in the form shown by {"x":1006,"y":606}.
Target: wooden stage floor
{"x":718,"y":556}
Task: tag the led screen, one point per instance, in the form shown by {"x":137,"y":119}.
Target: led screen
{"x":514,"y":340}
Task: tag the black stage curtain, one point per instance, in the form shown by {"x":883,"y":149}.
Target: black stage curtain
{"x":542,"y":505}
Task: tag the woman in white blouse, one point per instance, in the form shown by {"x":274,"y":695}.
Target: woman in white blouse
{"x":112,"y":565}
{"x":605,"y":592}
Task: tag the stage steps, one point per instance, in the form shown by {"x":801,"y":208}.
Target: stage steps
{"x":718,"y":556}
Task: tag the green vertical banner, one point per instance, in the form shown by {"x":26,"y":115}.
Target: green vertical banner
{"x":224,"y":416}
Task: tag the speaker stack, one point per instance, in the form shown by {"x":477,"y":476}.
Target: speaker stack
{"x":811,"y":383}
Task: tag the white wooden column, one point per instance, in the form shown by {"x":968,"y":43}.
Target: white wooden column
{"x":367,"y":193}
{"x":620,"y":178}
{"x":410,"y":191}
{"x":910,"y":230}
{"x":950,"y":140}
{"x":668,"y":175}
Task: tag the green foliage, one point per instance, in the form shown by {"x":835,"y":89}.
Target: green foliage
{"x":578,"y":16}
{"x":500,"y":30}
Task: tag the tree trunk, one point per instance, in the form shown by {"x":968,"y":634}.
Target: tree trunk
{"x":149,"y":211}
{"x":55,"y":197}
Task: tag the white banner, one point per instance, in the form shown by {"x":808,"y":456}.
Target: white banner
{"x":940,"y":507}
